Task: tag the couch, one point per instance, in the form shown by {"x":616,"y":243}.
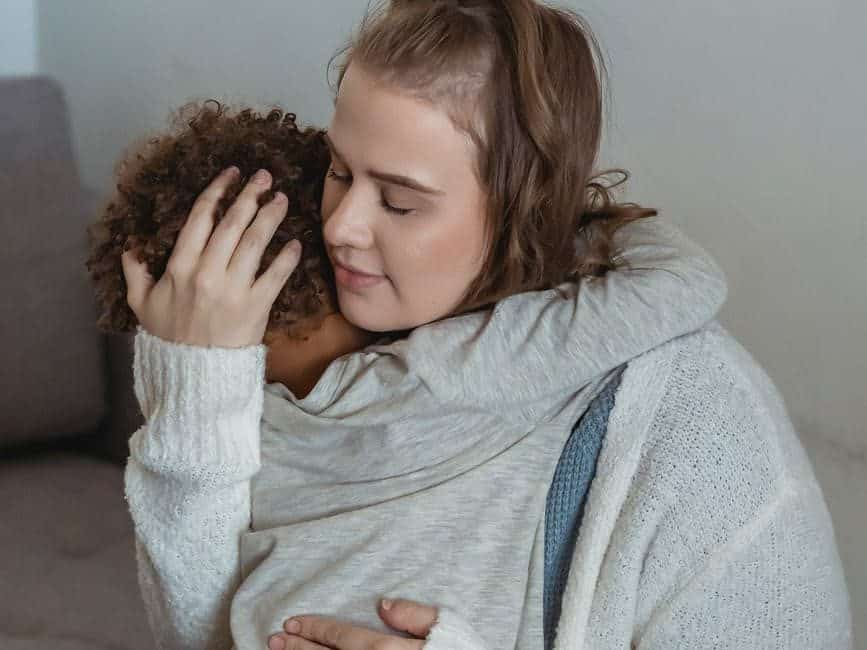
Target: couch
{"x":68,"y":573}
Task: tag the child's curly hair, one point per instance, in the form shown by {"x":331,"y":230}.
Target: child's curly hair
{"x":158,"y":182}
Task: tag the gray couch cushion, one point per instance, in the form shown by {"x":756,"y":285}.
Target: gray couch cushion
{"x":52,"y":376}
{"x":68,"y":578}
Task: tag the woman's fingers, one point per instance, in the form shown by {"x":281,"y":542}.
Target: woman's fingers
{"x":194,"y":236}
{"x":409,"y":616}
{"x":342,"y":635}
{"x":248,"y":254}
{"x":227,"y":235}
{"x":138,"y":280}
{"x":270,"y":283}
{"x":286,"y":642}
{"x":203,"y":301}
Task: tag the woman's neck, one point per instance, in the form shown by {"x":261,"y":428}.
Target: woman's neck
{"x":298,"y":364}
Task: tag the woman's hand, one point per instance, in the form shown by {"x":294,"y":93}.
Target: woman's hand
{"x":209,"y":294}
{"x":316,"y":632}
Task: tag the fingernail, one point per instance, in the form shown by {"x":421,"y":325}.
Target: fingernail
{"x":279,"y":197}
{"x":386,"y":603}
{"x":292,"y":626}
{"x":260,"y":177}
{"x":233,"y":171}
{"x":276,"y":643}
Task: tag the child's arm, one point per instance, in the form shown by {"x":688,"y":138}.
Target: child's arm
{"x":536,"y":344}
{"x":187,"y":482}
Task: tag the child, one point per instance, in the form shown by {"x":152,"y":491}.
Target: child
{"x":158,"y":180}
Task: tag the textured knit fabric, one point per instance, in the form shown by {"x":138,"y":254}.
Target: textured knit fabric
{"x":566,"y":497}
{"x":704,"y":526}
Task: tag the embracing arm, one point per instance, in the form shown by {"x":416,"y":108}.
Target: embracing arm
{"x":538,"y":343}
{"x":187,"y":482}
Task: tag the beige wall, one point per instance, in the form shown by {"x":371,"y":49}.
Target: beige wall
{"x":745,"y":122}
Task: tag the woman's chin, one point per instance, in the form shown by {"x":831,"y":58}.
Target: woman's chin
{"x":366,"y":312}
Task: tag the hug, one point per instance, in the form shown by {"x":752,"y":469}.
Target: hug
{"x":480,"y":387}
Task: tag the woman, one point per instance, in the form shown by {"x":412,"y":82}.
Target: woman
{"x":419,"y":466}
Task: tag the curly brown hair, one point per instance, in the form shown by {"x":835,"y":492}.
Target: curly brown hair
{"x":159,"y":178}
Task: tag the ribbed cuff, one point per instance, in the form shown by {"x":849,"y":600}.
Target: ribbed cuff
{"x":452,"y":632}
{"x":202,"y":405}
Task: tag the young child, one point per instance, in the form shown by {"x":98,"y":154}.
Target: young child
{"x":158,"y":180}
{"x":415,"y":467}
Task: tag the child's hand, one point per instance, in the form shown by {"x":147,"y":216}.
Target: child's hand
{"x":207,"y":295}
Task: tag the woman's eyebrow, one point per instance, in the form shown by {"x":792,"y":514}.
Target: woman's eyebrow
{"x":393,"y":179}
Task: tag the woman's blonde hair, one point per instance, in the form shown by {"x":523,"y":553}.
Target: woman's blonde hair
{"x":521,"y":80}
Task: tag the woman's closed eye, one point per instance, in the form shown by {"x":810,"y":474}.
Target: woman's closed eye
{"x":385,"y":204}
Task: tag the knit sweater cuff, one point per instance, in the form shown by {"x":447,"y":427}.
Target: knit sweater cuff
{"x":452,"y":632}
{"x":202,"y":406}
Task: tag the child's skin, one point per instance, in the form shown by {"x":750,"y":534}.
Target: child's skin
{"x":298,"y":364}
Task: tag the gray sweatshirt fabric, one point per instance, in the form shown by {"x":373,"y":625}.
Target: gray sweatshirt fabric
{"x":420,"y":468}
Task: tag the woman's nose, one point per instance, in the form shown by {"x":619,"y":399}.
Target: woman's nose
{"x":349,"y":224}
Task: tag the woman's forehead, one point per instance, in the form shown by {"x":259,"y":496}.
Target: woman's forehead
{"x":378,"y":125}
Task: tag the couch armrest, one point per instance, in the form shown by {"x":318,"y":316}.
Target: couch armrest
{"x":124,"y":416}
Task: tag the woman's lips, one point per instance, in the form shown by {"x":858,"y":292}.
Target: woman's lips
{"x":355,"y":280}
